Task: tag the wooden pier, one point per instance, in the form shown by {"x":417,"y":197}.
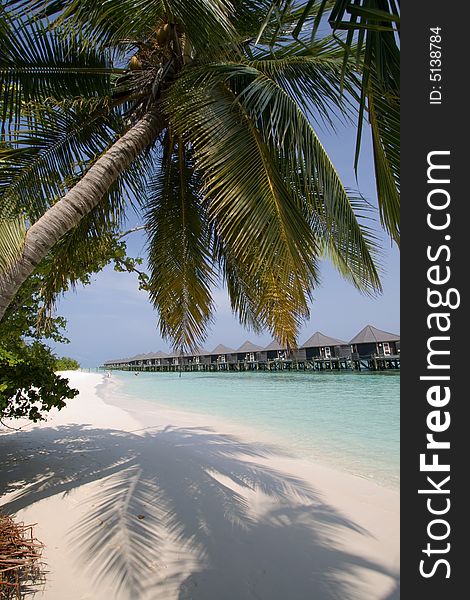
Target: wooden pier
{"x":372,"y":363}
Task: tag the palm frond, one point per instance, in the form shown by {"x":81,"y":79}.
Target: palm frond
{"x":248,"y":197}
{"x":37,"y":63}
{"x":181,"y":271}
{"x":208,"y":24}
{"x":377,"y":24}
{"x":12,"y":235}
{"x":62,"y":141}
{"x":384,"y":118}
{"x":372,"y":29}
{"x":304,"y":169}
{"x":249,"y":200}
{"x":261,"y":299}
{"x":313,"y":76}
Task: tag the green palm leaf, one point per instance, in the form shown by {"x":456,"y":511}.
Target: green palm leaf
{"x":258,"y":224}
{"x":38,"y":63}
{"x":248,"y":197}
{"x":372,"y":29}
{"x":181,"y":271}
{"x":12,"y":234}
{"x":262,"y":299}
{"x":302,"y":167}
{"x":61,"y":142}
{"x":384,"y":118}
{"x":312,"y":77}
{"x":207,"y":23}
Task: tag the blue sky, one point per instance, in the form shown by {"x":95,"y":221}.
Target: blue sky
{"x":111,"y":318}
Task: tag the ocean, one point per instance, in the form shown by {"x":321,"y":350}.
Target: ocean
{"x":348,"y":420}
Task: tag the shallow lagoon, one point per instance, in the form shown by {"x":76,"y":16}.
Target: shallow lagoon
{"x":349,"y":420}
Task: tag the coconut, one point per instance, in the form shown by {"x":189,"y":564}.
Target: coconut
{"x":134,"y":63}
{"x":162,"y":34}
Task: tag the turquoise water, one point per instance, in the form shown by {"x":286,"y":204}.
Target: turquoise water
{"x":349,"y":420}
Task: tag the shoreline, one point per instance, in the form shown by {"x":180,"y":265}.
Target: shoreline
{"x":215,"y":513}
{"x":283,"y":439}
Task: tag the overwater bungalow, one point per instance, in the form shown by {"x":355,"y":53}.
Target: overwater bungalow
{"x":274,"y":351}
{"x":321,"y":346}
{"x":157,"y":358}
{"x":147,"y":359}
{"x":223,"y":355}
{"x":113,"y":364}
{"x":136,"y":361}
{"x":176,"y":359}
{"x":249,"y":352}
{"x":371,"y":342}
{"x":198,"y":358}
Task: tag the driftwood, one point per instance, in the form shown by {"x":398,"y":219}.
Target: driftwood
{"x":21,"y":569}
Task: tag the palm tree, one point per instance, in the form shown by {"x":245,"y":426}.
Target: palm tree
{"x":178,"y":106}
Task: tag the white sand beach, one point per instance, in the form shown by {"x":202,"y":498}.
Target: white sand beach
{"x":136,"y":502}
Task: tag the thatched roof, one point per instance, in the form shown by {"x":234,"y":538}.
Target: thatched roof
{"x":319,"y":339}
{"x":275,"y":345}
{"x":199,"y":352}
{"x":158,"y":354}
{"x":371,"y":334}
{"x":221,"y":349}
{"x":176,"y":354}
{"x":249,"y":347}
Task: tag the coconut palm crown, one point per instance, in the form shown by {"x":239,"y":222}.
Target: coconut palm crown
{"x":179,"y":109}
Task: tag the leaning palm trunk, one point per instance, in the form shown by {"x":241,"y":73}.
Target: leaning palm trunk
{"x":79,"y":201}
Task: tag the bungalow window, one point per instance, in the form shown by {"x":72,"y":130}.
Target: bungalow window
{"x":327,"y":351}
{"x":221,"y":358}
{"x":387,"y":349}
{"x":197,"y":359}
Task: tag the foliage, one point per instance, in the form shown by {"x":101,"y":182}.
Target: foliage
{"x":372,"y":30}
{"x":29,"y":386}
{"x":237,"y":185}
{"x":66,"y":364}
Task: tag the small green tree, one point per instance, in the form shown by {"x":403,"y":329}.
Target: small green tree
{"x":29,"y":384}
{"x":66,"y":364}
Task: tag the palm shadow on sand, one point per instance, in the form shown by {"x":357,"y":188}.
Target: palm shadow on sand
{"x":187,"y":486}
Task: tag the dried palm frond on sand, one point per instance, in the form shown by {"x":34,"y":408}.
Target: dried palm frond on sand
{"x":21,"y":569}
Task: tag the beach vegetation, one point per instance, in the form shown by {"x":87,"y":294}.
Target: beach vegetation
{"x":29,"y":383}
{"x":65,"y":363}
{"x":205,"y":118}
{"x":29,"y":387}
